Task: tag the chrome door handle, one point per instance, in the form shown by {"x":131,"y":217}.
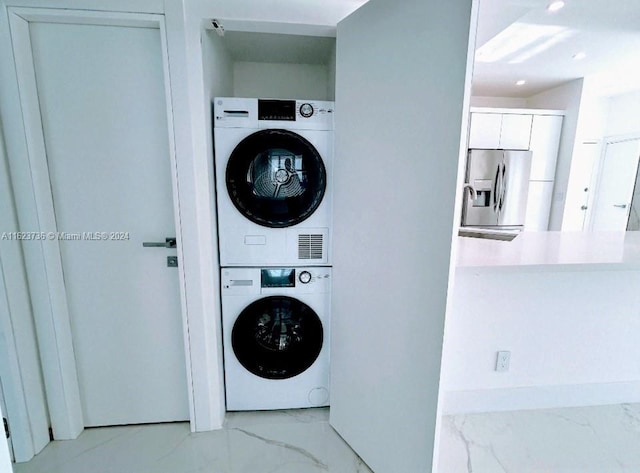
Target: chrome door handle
{"x":472,"y":190}
{"x":168,"y":243}
{"x":503,"y":185}
{"x":620,"y":206}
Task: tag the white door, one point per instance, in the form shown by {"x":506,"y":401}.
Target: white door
{"x":615,"y":186}
{"x":401,"y":76}
{"x":5,"y":426}
{"x":101,"y":93}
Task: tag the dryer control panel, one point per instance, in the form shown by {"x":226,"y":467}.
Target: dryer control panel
{"x":233,"y":112}
{"x":243,"y":281}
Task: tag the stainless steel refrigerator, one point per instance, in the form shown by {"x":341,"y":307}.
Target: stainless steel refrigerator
{"x":496,"y":188}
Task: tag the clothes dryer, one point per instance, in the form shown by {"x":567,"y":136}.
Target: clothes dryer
{"x":273,"y":161}
{"x":276,"y":337}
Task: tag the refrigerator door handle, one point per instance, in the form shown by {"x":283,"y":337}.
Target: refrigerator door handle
{"x":503,"y":185}
{"x":496,"y":189}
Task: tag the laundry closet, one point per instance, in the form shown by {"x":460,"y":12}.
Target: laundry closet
{"x":273,"y":155}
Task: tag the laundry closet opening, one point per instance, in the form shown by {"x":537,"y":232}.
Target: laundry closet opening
{"x":269,"y":104}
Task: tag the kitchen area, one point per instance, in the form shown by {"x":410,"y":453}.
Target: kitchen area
{"x":561,"y":302}
{"x":542,"y":328}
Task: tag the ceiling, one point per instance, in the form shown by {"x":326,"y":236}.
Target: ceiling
{"x":607,"y":31}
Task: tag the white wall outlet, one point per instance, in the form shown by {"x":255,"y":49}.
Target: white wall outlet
{"x":502,"y":361}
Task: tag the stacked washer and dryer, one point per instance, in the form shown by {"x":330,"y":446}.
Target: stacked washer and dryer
{"x":273,"y":160}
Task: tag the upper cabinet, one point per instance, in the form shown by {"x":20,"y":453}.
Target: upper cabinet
{"x":484,"y":132}
{"x":500,"y":131}
{"x":545,"y":141}
{"x":516,"y":131}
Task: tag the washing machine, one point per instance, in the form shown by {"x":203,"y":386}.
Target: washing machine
{"x":275,"y":325}
{"x":273,"y":162}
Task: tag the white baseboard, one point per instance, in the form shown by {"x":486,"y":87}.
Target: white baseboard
{"x":539,"y":397}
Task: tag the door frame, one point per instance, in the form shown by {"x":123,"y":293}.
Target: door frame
{"x":36,"y":213}
{"x":598,"y":168}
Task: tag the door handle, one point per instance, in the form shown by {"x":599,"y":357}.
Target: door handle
{"x":168,"y":243}
{"x":503,"y":185}
{"x":496,"y":189}
{"x":620,"y":206}
{"x":472,"y":190}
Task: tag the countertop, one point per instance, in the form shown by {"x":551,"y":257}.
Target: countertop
{"x":553,"y":251}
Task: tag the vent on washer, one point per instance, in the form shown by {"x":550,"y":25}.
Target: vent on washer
{"x":310,"y":246}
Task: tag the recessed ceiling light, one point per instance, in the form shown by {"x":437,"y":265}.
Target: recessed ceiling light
{"x":521,"y":82}
{"x":555,"y":6}
{"x":580,"y":55}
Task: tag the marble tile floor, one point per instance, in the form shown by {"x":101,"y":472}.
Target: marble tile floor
{"x":602,"y":439}
{"x":292,"y":441}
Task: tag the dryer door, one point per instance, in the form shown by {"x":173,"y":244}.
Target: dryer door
{"x":276,"y":178}
{"x":277,"y":337}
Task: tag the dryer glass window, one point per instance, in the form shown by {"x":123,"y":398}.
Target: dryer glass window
{"x":276,"y":178}
{"x":277,"y":337}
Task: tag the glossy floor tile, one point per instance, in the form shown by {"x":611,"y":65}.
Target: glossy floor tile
{"x":602,"y":439}
{"x":296,"y":441}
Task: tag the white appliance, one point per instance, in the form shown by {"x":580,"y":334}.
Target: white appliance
{"x":273,"y":162}
{"x":275,"y":325}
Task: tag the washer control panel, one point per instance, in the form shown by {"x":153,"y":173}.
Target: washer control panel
{"x":291,"y":280}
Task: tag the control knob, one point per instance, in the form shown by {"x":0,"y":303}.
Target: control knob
{"x":304,"y":277}
{"x":306,"y":110}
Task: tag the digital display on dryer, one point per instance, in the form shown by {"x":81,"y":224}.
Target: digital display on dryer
{"x":278,"y":277}
{"x":283,"y":110}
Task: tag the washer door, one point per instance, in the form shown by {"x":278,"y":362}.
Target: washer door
{"x":276,"y":178}
{"x":277,"y":337}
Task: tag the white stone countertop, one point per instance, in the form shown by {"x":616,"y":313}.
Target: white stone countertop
{"x":553,"y":251}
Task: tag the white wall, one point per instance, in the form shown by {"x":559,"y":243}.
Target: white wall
{"x":280,"y":81}
{"x":575,"y":345}
{"x":498,"y":102}
{"x":624,"y":118}
{"x":331,"y":74}
{"x":20,"y":368}
{"x":565,"y":97}
{"x":217,"y":67}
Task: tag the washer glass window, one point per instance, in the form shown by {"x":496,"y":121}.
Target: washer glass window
{"x":277,"y":337}
{"x":276,"y":178}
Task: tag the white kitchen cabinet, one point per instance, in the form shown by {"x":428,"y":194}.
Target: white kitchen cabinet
{"x":499,"y":131}
{"x":484,"y":131}
{"x":515,"y":131}
{"x":545,"y":141}
{"x":538,"y":206}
